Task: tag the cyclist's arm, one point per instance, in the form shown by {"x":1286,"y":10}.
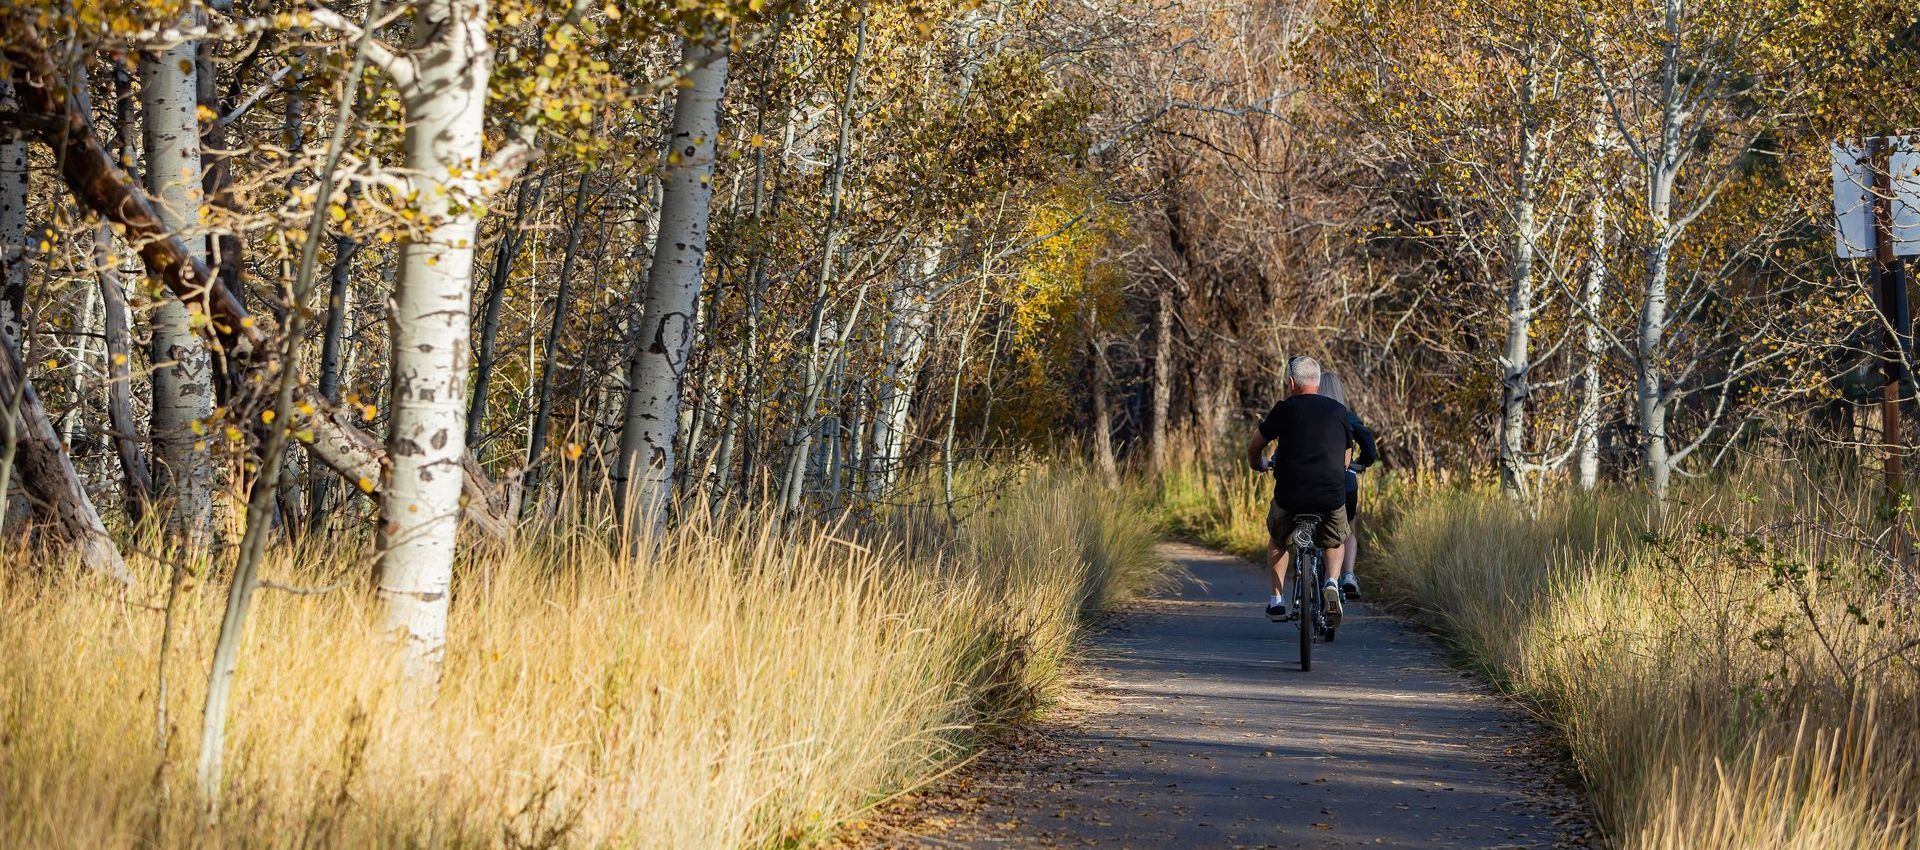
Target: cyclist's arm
{"x":1257,"y":452}
{"x":1369,"y":449}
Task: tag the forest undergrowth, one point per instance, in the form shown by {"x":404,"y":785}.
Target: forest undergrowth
{"x":1745,"y":679}
{"x":739,"y":687}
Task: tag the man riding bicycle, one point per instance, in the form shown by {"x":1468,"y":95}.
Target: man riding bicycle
{"x":1312,"y":435}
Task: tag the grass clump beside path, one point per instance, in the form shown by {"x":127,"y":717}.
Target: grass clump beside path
{"x":1743,"y":681}
{"x":737,"y":689}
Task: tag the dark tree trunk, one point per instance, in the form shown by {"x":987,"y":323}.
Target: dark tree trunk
{"x":550,"y":347}
{"x":504,"y":255}
{"x":46,"y":473}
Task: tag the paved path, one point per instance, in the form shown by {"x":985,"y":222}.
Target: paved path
{"x":1202,"y":732}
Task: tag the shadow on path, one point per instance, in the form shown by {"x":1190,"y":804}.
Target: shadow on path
{"x":1203,"y":732}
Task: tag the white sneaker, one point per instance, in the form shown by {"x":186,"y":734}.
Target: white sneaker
{"x":1333,"y":607}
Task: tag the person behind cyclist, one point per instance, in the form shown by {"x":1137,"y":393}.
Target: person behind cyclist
{"x":1369,"y":453}
{"x":1312,"y":436}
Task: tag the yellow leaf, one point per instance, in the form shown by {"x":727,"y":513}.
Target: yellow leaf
{"x":266,"y":416}
{"x":366,"y":484}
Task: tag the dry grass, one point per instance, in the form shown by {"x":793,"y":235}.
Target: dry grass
{"x":1746,"y":681}
{"x":737,"y":689}
{"x":1216,"y":501}
{"x":1736,"y":684}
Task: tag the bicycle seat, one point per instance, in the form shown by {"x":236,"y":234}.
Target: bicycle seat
{"x":1303,"y":527}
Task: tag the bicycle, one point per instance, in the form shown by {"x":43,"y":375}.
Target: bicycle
{"x":1309,"y":583}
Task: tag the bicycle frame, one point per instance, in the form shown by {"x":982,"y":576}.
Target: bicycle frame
{"x":1308,"y":565}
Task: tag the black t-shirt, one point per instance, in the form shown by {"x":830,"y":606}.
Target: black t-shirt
{"x":1310,"y":456}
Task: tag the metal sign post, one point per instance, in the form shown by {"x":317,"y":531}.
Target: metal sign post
{"x":1896,"y":325}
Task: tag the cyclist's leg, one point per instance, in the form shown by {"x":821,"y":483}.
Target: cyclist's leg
{"x":1277,"y":568}
{"x":1331,"y":535}
{"x":1353,"y":535}
{"x":1279,"y":524}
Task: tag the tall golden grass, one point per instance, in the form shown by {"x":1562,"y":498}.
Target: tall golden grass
{"x":1747,"y":679}
{"x":1735,"y":682}
{"x":737,"y":688}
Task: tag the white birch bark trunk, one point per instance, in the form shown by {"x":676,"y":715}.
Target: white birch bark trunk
{"x":1650,"y":347}
{"x":659,"y":355}
{"x":1514,"y":359}
{"x":445,"y":107}
{"x":1588,"y":428}
{"x":82,"y":366}
{"x":907,"y":331}
{"x":182,"y":368}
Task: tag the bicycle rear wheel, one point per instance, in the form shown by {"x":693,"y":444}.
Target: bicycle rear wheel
{"x":1303,"y":593}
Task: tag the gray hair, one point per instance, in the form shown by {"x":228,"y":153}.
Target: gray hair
{"x":1304,"y":371}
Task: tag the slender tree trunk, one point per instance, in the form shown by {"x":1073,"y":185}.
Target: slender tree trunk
{"x":1102,"y":430}
{"x":550,"y":347}
{"x":13,"y":227}
{"x":908,"y":326}
{"x":953,"y":397}
{"x":1515,"y":360}
{"x":504,"y":255}
{"x":445,"y":107}
{"x":339,"y":278}
{"x":82,"y":368}
{"x":750,"y":378}
{"x":138,"y":485}
{"x":659,"y":355}
{"x":1593,"y":348}
{"x":1650,"y":348}
{"x":225,"y":257}
{"x":137,"y":481}
{"x":182,"y":367}
{"x":808,"y":422}
{"x":1650,"y":391}
{"x":1162,"y":390}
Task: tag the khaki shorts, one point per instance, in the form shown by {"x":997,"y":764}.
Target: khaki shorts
{"x":1330,"y":532}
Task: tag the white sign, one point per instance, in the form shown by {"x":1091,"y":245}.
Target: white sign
{"x":1853,"y":198}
